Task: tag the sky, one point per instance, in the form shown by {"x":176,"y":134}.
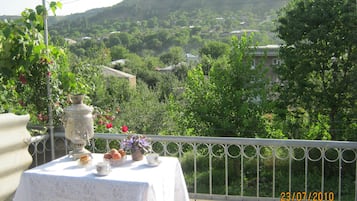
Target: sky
{"x":15,"y":7}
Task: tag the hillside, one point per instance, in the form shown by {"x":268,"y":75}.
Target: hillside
{"x":142,"y":9}
{"x":195,"y":10}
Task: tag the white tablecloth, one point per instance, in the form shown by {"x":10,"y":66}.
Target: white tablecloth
{"x":64,"y":180}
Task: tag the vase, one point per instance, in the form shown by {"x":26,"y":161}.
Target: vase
{"x":137,"y":154}
{"x":14,"y":152}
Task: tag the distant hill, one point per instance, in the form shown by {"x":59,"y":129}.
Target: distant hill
{"x":154,"y":26}
{"x":162,"y":7}
{"x":149,"y":8}
{"x":9,"y":17}
{"x":144,"y":9}
{"x":137,"y":10}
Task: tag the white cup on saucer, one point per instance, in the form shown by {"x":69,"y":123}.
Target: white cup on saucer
{"x":152,"y":158}
{"x":103,"y":168}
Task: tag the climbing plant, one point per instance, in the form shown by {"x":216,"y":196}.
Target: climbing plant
{"x":30,"y":68}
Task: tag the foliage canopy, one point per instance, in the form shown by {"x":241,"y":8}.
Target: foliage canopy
{"x":319,"y":54}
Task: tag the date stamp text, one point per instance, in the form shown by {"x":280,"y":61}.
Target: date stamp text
{"x":307,"y":196}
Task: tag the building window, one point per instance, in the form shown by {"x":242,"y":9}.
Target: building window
{"x":253,"y":64}
{"x":276,"y":62}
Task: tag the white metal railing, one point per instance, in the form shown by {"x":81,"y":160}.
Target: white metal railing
{"x":243,"y":168}
{"x":39,"y":149}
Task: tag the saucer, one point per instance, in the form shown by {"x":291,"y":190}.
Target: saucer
{"x":99,"y":175}
{"x":153,"y":164}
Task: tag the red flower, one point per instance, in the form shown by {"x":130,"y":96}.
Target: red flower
{"x":49,"y":73}
{"x":109,"y":125}
{"x":22,"y":79}
{"x":101,"y":122}
{"x":124,"y":128}
{"x":110,"y":118}
{"x":42,"y":117}
{"x":21,"y":102}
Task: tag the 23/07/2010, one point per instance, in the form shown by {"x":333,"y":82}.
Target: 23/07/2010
{"x":309,"y":196}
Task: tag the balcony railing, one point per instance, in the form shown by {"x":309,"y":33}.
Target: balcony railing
{"x":243,"y":168}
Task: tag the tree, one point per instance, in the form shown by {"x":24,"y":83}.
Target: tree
{"x":230,"y":100}
{"x":174,"y":56}
{"x":114,"y":39}
{"x":320,"y":59}
{"x":118,"y":52}
{"x":144,"y":113}
{"x":212,"y":50}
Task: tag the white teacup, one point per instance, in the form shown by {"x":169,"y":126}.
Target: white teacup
{"x":103,"y":168}
{"x":152,"y":158}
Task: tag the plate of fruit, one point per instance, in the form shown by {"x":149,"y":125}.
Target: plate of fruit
{"x":115,"y":157}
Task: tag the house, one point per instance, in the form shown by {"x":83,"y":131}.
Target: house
{"x":243,"y":31}
{"x":118,"y":62}
{"x":190,"y":58}
{"x":269,"y":56}
{"x":70,"y":41}
{"x":111,"y":72}
{"x":166,"y":69}
{"x":170,"y":68}
{"x":86,"y":38}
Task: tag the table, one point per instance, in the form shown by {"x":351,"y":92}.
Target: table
{"x":64,"y":180}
